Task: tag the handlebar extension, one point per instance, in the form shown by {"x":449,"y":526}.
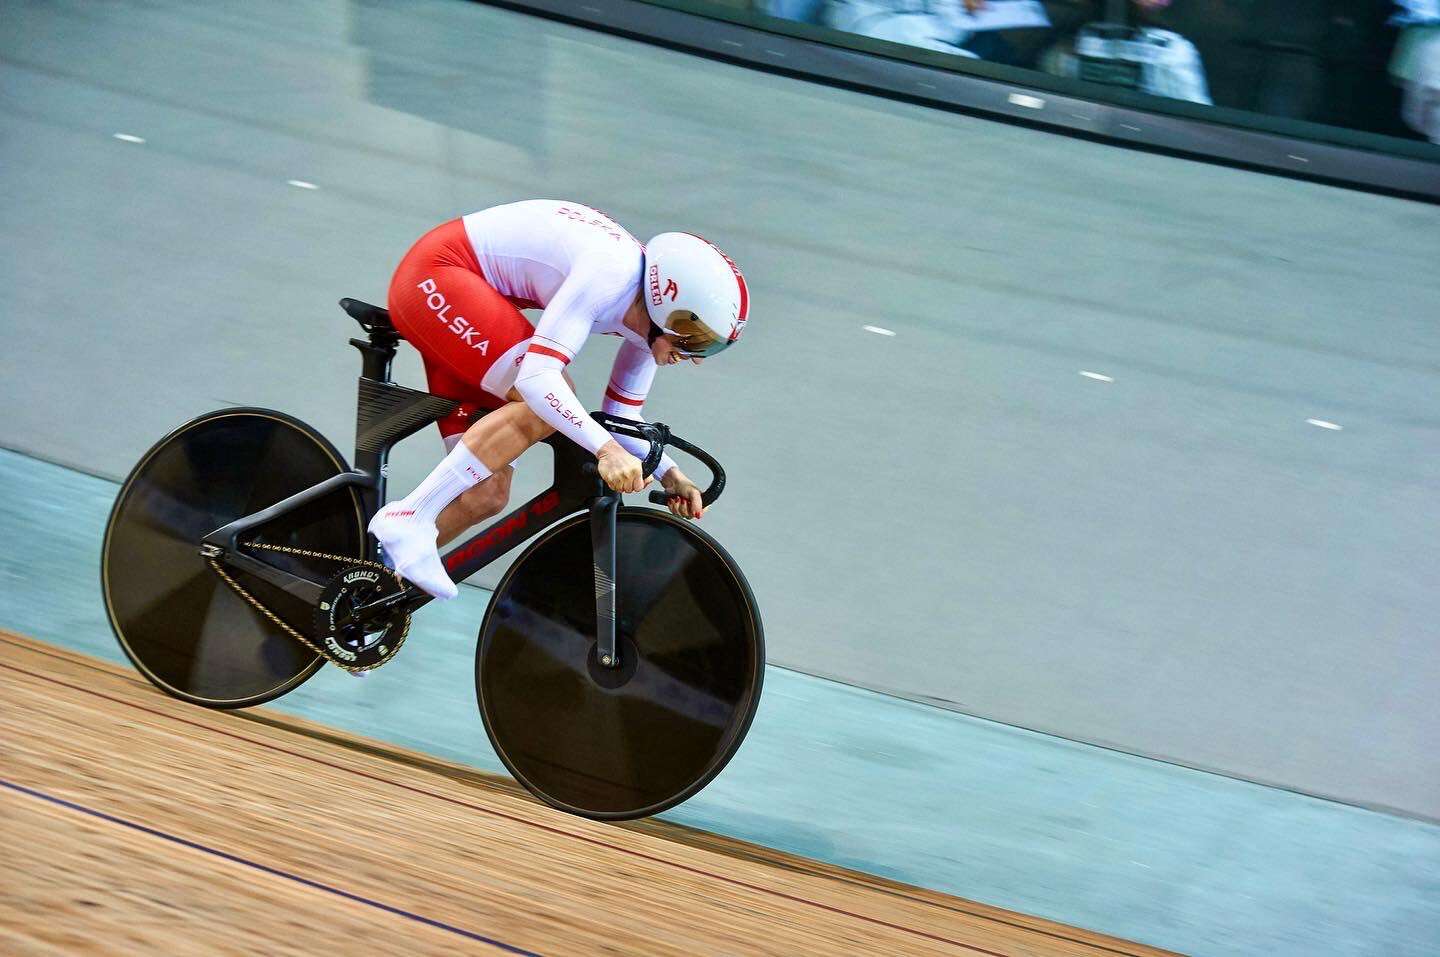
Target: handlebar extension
{"x":659,"y":436}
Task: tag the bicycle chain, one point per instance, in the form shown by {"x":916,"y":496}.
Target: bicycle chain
{"x":295,"y":633}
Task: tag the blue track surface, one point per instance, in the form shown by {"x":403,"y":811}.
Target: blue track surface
{"x":1160,"y":854}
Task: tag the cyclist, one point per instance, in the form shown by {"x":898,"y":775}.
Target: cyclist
{"x":457,"y":296}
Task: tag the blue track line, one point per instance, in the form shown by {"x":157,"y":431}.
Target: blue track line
{"x":418,"y":918}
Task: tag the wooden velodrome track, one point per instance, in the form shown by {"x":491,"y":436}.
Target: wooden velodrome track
{"x":131,"y":822}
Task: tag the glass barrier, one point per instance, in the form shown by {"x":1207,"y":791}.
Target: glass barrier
{"x":1357,"y":72}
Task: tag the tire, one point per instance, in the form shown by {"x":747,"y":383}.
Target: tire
{"x":633,"y":741}
{"x":177,"y":621}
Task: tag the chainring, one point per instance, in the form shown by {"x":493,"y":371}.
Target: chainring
{"x":351,"y":644}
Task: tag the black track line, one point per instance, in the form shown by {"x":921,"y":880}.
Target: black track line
{"x":266,"y":869}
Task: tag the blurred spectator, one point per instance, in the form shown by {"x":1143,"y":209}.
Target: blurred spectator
{"x":805,"y":11}
{"x":1370,"y":65}
{"x":1153,"y":60}
{"x":1416,"y":65}
{"x":928,"y":24}
{"x":1053,"y":36}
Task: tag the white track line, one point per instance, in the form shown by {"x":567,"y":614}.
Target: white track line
{"x":301,"y":184}
{"x":878,"y":330}
{"x":129,"y":138}
{"x":1321,"y":423}
{"x":1098,"y":377}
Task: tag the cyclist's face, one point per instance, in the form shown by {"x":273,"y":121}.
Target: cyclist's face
{"x":667,"y":350}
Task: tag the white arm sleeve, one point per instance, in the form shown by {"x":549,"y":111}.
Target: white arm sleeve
{"x":563,"y":328}
{"x":630,"y":380}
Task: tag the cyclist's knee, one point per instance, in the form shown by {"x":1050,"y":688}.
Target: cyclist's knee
{"x":535,"y":428}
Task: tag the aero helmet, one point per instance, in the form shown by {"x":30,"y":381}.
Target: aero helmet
{"x":696,"y":292}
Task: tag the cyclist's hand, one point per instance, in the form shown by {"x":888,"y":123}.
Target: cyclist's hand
{"x":619,"y":469}
{"x":683,"y":496}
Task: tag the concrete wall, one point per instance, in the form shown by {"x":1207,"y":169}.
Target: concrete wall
{"x":1174,"y":562}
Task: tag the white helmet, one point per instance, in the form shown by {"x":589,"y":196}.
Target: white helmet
{"x":695,"y":291}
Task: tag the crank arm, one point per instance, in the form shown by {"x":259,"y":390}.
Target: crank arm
{"x":406,"y":601}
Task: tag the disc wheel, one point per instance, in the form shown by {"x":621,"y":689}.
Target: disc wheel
{"x":186,"y":630}
{"x":627,"y":742}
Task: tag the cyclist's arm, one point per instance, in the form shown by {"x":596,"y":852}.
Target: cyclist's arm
{"x":630,"y":380}
{"x":561,"y":331}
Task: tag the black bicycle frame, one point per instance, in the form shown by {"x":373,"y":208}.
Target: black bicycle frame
{"x":386,"y":414}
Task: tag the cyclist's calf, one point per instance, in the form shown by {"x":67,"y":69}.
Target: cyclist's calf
{"x":488,"y":498}
{"x":483,"y":501}
{"x":496,"y":439}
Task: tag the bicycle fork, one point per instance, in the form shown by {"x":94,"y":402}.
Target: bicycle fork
{"x":603,"y":513}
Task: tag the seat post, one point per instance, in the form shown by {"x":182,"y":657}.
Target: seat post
{"x":377,"y":353}
{"x":377,"y":349}
{"x":372,"y":449}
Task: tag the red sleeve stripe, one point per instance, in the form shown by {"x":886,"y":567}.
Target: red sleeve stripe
{"x":540,"y":350}
{"x":611,"y":394}
{"x":553,"y":344}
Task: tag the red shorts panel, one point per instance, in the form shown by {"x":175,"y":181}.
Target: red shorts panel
{"x":442,"y":304}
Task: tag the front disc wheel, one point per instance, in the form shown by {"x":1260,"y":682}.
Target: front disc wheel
{"x":618,"y":743}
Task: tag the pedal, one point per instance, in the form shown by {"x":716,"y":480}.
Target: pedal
{"x":348,"y":640}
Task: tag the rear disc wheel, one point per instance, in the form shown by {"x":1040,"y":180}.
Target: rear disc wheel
{"x":187,"y":631}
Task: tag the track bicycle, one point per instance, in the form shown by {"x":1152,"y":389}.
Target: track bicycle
{"x":619,"y":662}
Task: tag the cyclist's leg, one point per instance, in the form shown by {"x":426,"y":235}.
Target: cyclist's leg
{"x":467,"y":487}
{"x":503,"y":434}
{"x":500,"y":436}
{"x":489,"y":497}
{"x":485,"y":500}
{"x":441,"y":303}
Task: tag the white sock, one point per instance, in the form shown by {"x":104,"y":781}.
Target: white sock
{"x":406,"y":528}
{"x":456,"y":474}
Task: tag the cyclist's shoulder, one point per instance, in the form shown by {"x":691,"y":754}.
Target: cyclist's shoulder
{"x":566,"y":222}
{"x":607,"y":279}
{"x":587,"y":245}
{"x":603,"y":253}
{"x":552,"y":214}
